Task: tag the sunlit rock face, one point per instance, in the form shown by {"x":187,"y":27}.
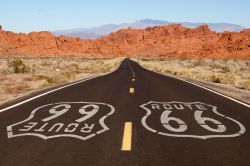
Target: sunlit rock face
{"x":172,"y":40}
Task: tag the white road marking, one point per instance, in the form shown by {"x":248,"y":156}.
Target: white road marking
{"x":177,"y":132}
{"x":68,"y":131}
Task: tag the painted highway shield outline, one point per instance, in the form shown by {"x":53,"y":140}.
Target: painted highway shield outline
{"x":32,"y":114}
{"x":144,"y":123}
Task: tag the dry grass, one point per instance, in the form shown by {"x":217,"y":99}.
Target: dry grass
{"x":36,"y":73}
{"x":233,"y":72}
{"x":21,"y":75}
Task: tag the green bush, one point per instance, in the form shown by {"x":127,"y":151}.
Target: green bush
{"x":18,"y":66}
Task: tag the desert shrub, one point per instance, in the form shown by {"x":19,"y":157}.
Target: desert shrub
{"x":18,"y":66}
{"x":170,"y":71}
{"x":98,"y":70}
{"x":217,"y":63}
{"x":214,"y":78}
{"x":69,"y":75}
{"x":28,"y":79}
{"x":57,"y":79}
{"x":75,"y":66}
{"x":50,"y":80}
{"x":225,"y":69}
{"x":17,"y":88}
{"x":38,"y":77}
{"x":228,"y":78}
{"x":146,"y":59}
{"x":54,"y":80}
{"x":246,"y":85}
{"x":185,"y":74}
{"x":198,"y":62}
{"x":45,"y":64}
{"x":3,"y":71}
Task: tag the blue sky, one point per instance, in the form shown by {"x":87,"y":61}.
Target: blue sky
{"x":37,"y":15}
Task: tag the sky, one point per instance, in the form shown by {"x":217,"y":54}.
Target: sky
{"x":38,"y":15}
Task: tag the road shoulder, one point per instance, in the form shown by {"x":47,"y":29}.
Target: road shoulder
{"x":236,"y":93}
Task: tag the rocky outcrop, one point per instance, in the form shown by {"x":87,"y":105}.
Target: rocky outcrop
{"x":160,"y":41}
{"x":246,"y":32}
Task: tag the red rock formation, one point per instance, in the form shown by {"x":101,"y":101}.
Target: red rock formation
{"x":246,"y":32}
{"x":160,"y":41}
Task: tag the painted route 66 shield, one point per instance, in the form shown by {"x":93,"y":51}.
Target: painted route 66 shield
{"x":81,"y":120}
{"x":189,"y":119}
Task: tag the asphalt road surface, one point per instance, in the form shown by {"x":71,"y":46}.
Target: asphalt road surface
{"x":129,"y":117}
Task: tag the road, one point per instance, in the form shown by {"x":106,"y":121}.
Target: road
{"x":130,"y":117}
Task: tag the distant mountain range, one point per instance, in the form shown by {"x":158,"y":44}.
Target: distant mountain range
{"x":96,"y":32}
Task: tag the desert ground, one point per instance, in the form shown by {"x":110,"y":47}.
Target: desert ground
{"x":227,"y":76}
{"x":20,"y":76}
{"x":235,"y":72}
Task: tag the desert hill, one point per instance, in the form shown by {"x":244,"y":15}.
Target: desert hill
{"x":159,"y":41}
{"x":99,"y":31}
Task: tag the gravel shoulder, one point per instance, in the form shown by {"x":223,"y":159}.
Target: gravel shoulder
{"x":236,"y":93}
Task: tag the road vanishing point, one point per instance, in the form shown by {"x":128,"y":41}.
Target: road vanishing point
{"x":129,"y":117}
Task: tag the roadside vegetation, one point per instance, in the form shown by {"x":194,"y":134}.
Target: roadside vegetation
{"x":234,"y":72}
{"x":20,"y":76}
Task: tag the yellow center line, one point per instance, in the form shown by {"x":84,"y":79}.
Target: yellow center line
{"x":127,"y":137}
{"x":131,"y":90}
{"x":133,"y":79}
